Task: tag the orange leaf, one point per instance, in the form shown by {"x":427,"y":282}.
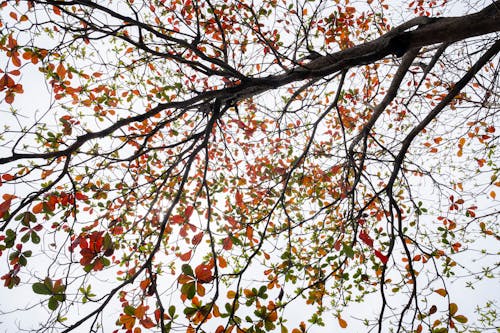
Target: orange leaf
{"x":222,"y":262}
{"x":56,"y":10}
{"x":140,"y":311}
{"x":342,"y":322}
{"x":145,"y":284}
{"x":127,"y":321}
{"x":38,"y":208}
{"x":231,"y":294}
{"x":46,"y":173}
{"x":61,"y":71}
{"x":200,"y":290}
{"x":15,"y":60}
{"x":9,"y":98}
{"x":441,"y":292}
{"x":186,"y":256}
{"x":147,"y":323}
{"x":249,"y":232}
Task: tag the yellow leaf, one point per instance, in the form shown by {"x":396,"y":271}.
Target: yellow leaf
{"x":493,"y":195}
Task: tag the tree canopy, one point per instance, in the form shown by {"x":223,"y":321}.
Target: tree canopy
{"x":225,"y":165}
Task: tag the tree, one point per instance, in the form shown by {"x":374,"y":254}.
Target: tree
{"x":206,"y":165}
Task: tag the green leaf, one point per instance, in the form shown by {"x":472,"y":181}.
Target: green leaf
{"x":107,"y":242}
{"x":171,"y":311}
{"x":41,"y":289}
{"x":189,"y":311}
{"x":22,"y":260}
{"x":35,"y":238}
{"x":187,"y":270}
{"x":348,"y":251}
{"x":189,"y":289}
{"x":53,"y":303}
{"x":105,"y":261}
{"x":461,"y":319}
{"x":130,"y":310}
{"x":25,"y":237}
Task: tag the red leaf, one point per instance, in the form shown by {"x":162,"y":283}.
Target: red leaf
{"x":188,"y":212}
{"x":177,"y":219}
{"x":366,"y":238}
{"x":186,"y":256}
{"x":382,"y":257}
{"x":4,"y":207}
{"x":197,"y":238}
{"x":81,"y":196}
{"x":7,"y":177}
{"x":203,"y":273}
{"x":227,"y":243}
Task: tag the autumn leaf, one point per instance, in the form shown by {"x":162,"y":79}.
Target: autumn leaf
{"x":203,"y":273}
{"x":4,"y":207}
{"x":140,"y":311}
{"x":441,"y":292}
{"x":366,"y":238}
{"x":342,"y":322}
{"x":147,"y":323}
{"x":186,"y":256}
{"x":127,"y":321}
{"x":38,"y":208}
{"x":382,"y":257}
{"x":227,"y":243}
